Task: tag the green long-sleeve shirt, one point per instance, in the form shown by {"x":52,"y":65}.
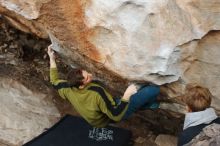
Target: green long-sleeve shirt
{"x":93,"y":102}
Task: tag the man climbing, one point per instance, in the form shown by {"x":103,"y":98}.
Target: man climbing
{"x":94,"y":103}
{"x":200,"y":114}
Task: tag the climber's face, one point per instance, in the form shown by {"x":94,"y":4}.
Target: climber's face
{"x":87,"y":77}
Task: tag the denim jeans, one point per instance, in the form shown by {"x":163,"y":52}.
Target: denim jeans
{"x":145,"y":98}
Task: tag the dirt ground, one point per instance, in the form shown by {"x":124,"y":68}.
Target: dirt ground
{"x":23,"y":57}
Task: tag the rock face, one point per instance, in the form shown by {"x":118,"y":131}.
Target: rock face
{"x":162,"y":41}
{"x":201,"y":62}
{"x":24,"y":114}
{"x":166,"y":140}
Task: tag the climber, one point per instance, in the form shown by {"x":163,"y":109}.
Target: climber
{"x":94,"y":103}
{"x":200,"y":114}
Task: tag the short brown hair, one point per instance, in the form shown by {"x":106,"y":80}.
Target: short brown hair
{"x":198,"y":98}
{"x":75,"y":77}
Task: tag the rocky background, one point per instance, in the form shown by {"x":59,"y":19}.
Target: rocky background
{"x":167,"y":42}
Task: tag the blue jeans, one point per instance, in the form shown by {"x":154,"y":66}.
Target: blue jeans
{"x":145,"y":98}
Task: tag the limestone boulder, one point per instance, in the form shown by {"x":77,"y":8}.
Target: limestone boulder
{"x":166,"y":140}
{"x":164,"y":41}
{"x":200,"y":61}
{"x":24,"y":114}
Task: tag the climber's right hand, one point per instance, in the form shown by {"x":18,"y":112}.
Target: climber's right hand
{"x":132,"y":89}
